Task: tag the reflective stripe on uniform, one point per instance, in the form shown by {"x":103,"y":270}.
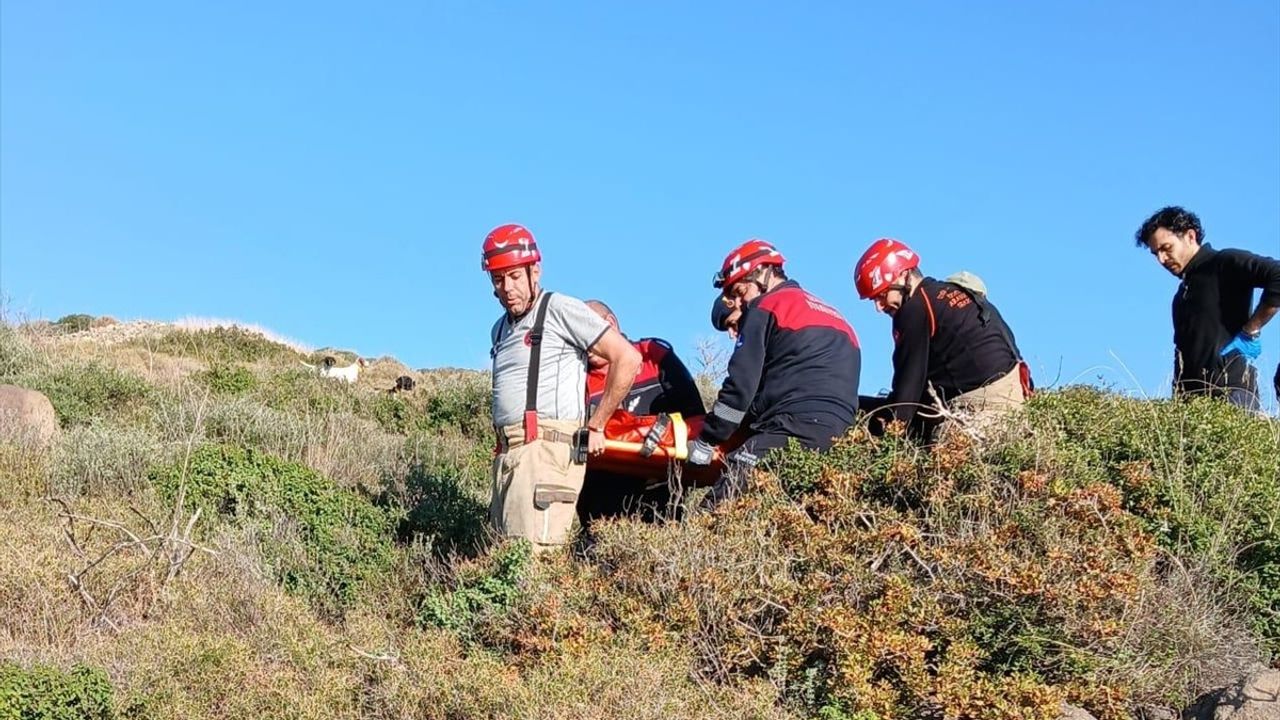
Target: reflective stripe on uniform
{"x":725,"y":412}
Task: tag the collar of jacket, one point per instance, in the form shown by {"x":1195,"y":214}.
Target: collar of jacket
{"x":758,"y":298}
{"x":1201,"y":257}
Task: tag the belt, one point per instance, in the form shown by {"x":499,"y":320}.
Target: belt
{"x":505,"y":443}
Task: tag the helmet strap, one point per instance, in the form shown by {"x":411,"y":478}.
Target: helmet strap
{"x":905,"y":286}
{"x":758,"y":279}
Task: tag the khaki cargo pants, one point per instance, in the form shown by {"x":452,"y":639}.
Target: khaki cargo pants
{"x":536,"y":486}
{"x":985,"y":406}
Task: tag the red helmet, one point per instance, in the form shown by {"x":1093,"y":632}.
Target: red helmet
{"x":886,"y":261}
{"x":747,"y":257}
{"x":509,"y":246}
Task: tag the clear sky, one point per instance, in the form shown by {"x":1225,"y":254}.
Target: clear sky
{"x":329,"y":170}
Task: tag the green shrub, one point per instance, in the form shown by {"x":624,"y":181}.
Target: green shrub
{"x":884,"y":580}
{"x":219,"y":345}
{"x":395,"y":414}
{"x":74,"y":323}
{"x":462,"y":403}
{"x":481,"y":590}
{"x":228,"y":379}
{"x":341,"y":358}
{"x":1203,"y":476}
{"x":450,"y":453}
{"x":299,"y":390}
{"x":80,"y":393}
{"x":443,"y":511}
{"x":326,"y":543}
{"x":41,"y":692}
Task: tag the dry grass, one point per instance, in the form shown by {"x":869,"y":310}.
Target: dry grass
{"x":1182,"y":636}
{"x":106,"y":461}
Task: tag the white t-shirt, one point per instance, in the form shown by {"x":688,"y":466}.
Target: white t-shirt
{"x":571,"y":328}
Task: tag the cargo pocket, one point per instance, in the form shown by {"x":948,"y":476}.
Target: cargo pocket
{"x":556,"y":483}
{"x":545,"y":495}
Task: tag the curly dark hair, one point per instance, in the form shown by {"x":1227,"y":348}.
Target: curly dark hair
{"x":1175,"y":219}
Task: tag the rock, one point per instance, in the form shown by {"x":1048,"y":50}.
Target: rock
{"x":1155,"y":712}
{"x":1071,"y":712}
{"x":1256,"y":697}
{"x":26,"y":415}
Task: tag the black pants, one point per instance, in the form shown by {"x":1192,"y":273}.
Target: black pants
{"x":815,"y":431}
{"x":1235,"y":381}
{"x":610,"y":495}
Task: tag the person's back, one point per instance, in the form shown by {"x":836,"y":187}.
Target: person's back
{"x":1277,"y":383}
{"x":966,"y":350}
{"x":793,"y":374}
{"x":811,"y":360}
{"x":952,"y":348}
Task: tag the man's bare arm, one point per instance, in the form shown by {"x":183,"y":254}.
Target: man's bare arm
{"x":624,"y":363}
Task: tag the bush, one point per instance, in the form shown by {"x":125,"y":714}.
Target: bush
{"x":1203,"y":476}
{"x":104,"y":460}
{"x":17,"y":356}
{"x":302,"y":391}
{"x":41,"y":692}
{"x":462,"y":403}
{"x":881,"y":580}
{"x":450,"y":401}
{"x":223,"y":345}
{"x":241,"y":421}
{"x":395,"y":414}
{"x":81,"y":393}
{"x":74,"y":323}
{"x":481,"y":590}
{"x":326,"y":543}
{"x":443,"y":511}
{"x":228,"y":379}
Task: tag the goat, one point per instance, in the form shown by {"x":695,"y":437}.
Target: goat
{"x":404,"y":383}
{"x":328,"y":368}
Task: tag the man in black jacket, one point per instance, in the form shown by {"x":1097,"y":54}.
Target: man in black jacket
{"x":793,"y":373}
{"x":952,"y":349}
{"x":1216,"y":330}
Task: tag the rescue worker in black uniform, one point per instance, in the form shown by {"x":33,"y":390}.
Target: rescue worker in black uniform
{"x":1216,"y":331}
{"x":793,"y":373}
{"x":952,"y":349}
{"x":662,"y":385}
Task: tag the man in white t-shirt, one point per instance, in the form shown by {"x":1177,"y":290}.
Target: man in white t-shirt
{"x":539,"y":391}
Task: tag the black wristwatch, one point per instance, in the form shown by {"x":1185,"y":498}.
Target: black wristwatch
{"x":1251,"y":335}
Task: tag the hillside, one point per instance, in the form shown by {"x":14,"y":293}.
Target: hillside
{"x":218,"y":532}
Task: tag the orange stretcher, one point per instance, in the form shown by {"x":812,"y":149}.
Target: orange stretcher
{"x":653,"y":446}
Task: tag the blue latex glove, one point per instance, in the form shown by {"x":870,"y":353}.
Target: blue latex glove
{"x":700,"y":453}
{"x":1245,"y":345}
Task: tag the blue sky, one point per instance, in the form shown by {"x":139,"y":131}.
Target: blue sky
{"x":329,"y":171}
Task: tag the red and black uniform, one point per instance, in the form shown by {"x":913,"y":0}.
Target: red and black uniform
{"x":793,"y":374}
{"x":663,"y":385}
{"x":1212,"y":304}
{"x":948,"y":337}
